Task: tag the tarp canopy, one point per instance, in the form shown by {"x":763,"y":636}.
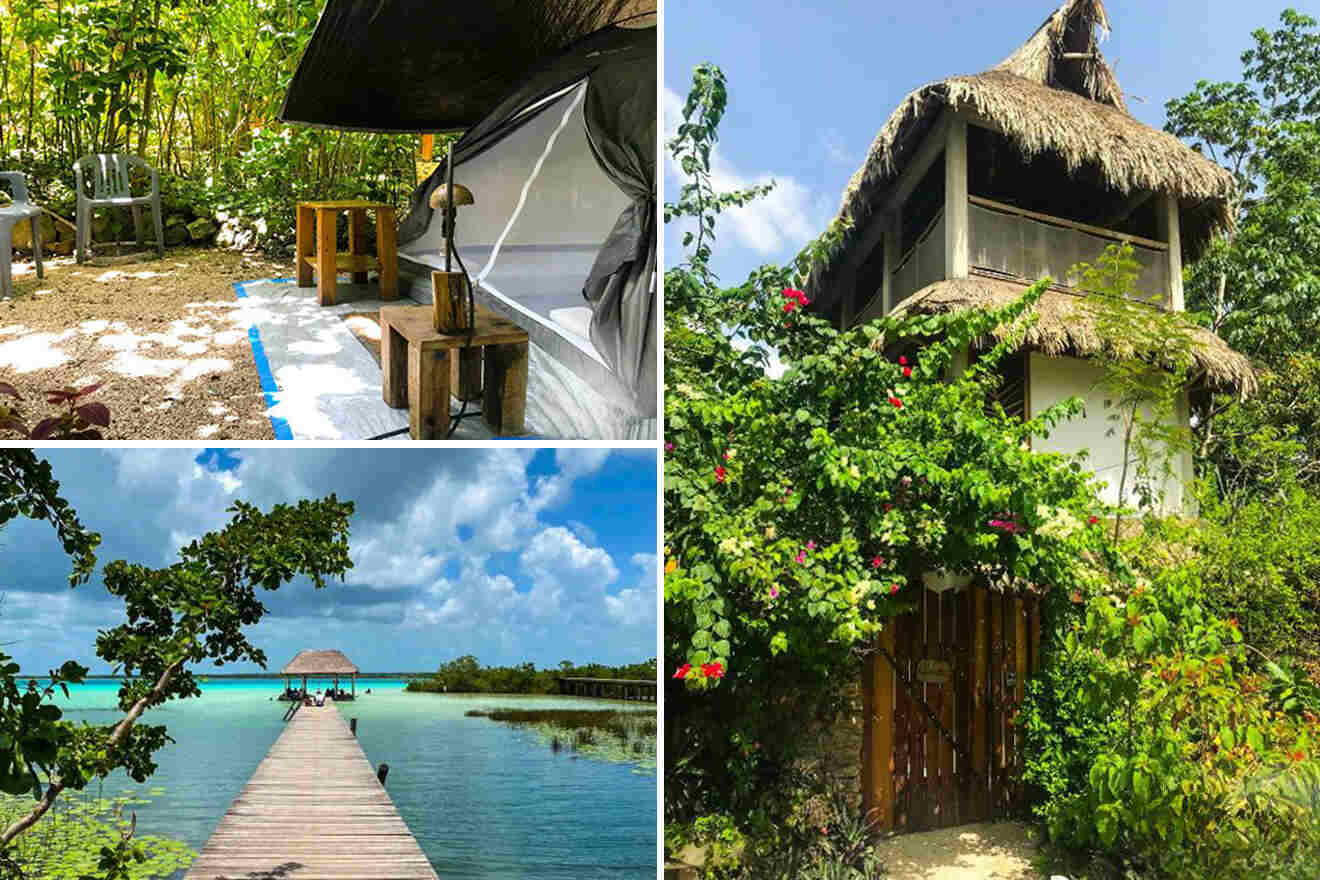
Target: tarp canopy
{"x":432,"y":66}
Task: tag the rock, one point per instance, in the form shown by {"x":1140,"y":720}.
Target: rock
{"x":201,"y":229}
{"x":23,"y":233}
{"x":176,"y":229}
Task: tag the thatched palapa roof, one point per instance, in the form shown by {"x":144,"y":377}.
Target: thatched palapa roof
{"x":319,"y":663}
{"x":1062,"y":327}
{"x":1045,"y":102}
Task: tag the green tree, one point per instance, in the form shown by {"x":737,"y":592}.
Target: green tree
{"x":1145,"y":365}
{"x":1259,"y":286}
{"x":192,"y":611}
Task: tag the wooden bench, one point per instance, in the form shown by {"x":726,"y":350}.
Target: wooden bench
{"x":317,"y":247}
{"x":423,"y":367}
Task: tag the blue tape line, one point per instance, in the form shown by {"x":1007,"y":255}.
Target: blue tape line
{"x":279,"y":425}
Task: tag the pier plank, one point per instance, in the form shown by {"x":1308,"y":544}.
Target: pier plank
{"x":313,"y":810}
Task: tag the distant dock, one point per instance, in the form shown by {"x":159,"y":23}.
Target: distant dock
{"x":313,"y":810}
{"x":608,"y":688}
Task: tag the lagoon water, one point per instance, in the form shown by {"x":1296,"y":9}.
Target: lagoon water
{"x":484,"y":800}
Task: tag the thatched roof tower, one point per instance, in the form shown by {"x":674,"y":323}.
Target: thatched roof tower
{"x":1048,"y":124}
{"x":1054,"y":94}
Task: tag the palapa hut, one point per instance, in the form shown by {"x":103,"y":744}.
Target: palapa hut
{"x":320,"y":664}
{"x":978,"y":185}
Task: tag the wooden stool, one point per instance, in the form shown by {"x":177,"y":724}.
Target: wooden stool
{"x":422,"y":367}
{"x":316,"y":249}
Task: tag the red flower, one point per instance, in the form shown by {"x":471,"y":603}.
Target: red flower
{"x":790,"y":306}
{"x":1093,"y":520}
{"x":888,"y":507}
{"x":712,"y":670}
{"x":720,"y":473}
{"x":877,"y":562}
{"x":683,"y":670}
{"x":1297,"y":755}
{"x":898,"y":404}
{"x":907,"y":372}
{"x":1232,"y":621}
{"x":893,"y":588}
{"x":902,"y":361}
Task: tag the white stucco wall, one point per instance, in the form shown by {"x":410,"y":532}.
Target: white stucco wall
{"x":1055,"y":379}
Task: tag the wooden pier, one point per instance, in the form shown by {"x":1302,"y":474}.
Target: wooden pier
{"x":608,"y":688}
{"x":313,"y":810}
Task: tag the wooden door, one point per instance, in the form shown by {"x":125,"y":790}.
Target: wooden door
{"x":941,"y":694}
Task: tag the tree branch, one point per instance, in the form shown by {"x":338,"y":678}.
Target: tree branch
{"x":116,"y":736}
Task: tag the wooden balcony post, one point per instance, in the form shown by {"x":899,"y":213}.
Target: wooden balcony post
{"x":893,"y":226}
{"x":956,"y":253}
{"x":1169,"y":231}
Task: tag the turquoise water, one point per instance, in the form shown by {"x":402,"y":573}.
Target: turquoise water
{"x":484,"y":800}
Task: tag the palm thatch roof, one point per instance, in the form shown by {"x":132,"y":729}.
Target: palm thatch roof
{"x":1062,"y":327}
{"x":319,"y":663}
{"x":1055,"y":94}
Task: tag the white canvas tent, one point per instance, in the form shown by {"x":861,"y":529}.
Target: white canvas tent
{"x":561,"y":238}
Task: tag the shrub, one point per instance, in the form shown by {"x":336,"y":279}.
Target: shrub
{"x":1176,"y":762}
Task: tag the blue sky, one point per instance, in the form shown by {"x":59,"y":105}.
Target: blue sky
{"x":507,"y":554}
{"x":810,"y":86}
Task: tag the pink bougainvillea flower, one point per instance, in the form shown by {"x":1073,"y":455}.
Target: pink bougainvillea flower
{"x":774,"y":592}
{"x":712,"y":670}
{"x":902,"y":361}
{"x":907,"y":372}
{"x":877,"y":562}
{"x":802,"y":557}
{"x":811,"y":545}
{"x":682,"y":671}
{"x":669,"y":447}
{"x":789,"y":306}
{"x":898,"y":404}
{"x":728,"y":454}
{"x":720,"y":473}
{"x":792,"y":293}
{"x":888,"y":507}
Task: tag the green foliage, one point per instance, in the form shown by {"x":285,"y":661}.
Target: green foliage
{"x":194,"y":88}
{"x":1259,"y":287}
{"x":801,"y":511}
{"x":1273,"y":437}
{"x":75,"y":839}
{"x":835,"y":843}
{"x":1154,"y":747}
{"x":464,"y":675}
{"x":1145,"y":365}
{"x":193,"y":610}
{"x":1258,"y":560}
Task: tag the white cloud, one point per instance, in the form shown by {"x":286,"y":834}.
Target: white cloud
{"x":636,"y":605}
{"x":786,"y":218}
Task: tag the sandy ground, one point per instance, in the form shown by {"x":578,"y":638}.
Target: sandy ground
{"x":983,"y":851}
{"x":165,"y":336}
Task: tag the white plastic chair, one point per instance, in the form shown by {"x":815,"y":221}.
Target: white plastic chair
{"x":19,"y":209}
{"x":110,"y":189}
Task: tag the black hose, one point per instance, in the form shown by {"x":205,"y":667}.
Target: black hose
{"x":471,"y":331}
